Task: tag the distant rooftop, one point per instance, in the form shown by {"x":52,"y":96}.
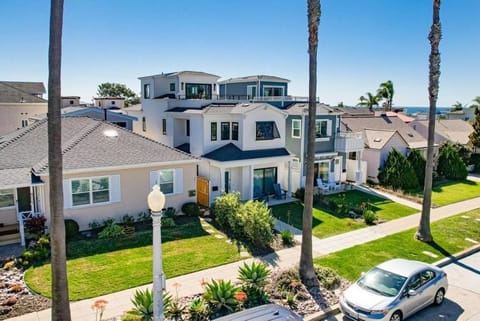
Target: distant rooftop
{"x":253,"y":78}
{"x":178,"y":73}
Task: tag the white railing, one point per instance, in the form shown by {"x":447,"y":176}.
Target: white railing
{"x":349,"y":142}
{"x":22,"y":216}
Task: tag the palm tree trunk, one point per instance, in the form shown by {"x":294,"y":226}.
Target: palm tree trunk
{"x":423,"y":232}
{"x":307,"y":271}
{"x":60,"y":300}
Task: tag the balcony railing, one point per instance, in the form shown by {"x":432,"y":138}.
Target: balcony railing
{"x":349,"y":142}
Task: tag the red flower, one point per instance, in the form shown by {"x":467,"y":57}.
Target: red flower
{"x":240,"y":296}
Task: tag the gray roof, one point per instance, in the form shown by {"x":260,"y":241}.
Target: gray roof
{"x":184,"y":72}
{"x":94,"y":112}
{"x":231,"y":152}
{"x":385,"y":123}
{"x":85,"y":145}
{"x":17,"y":92}
{"x":253,"y":78}
{"x":216,"y":109}
{"x":302,"y":109}
{"x":454,"y":130}
{"x":376,"y":139}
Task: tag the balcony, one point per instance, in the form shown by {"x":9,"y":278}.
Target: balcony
{"x":349,"y":142}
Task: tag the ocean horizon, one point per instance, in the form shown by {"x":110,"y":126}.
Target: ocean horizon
{"x":410,"y":110}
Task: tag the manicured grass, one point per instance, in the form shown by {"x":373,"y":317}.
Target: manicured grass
{"x":98,"y":267}
{"x":453,"y":192}
{"x":449,"y":235}
{"x":326,"y":224}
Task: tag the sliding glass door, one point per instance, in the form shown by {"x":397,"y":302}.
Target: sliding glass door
{"x":263,"y":180}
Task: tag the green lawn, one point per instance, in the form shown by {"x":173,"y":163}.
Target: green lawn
{"x":449,"y":235}
{"x":98,"y":267}
{"x":326,"y":224}
{"x":453,"y":192}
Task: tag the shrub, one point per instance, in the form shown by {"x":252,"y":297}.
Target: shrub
{"x":168,"y":222}
{"x":131,"y":316}
{"x":39,"y":252}
{"x":291,"y":300}
{"x":143,"y":303}
{"x":226,"y":207}
{"x":35,"y":227}
{"x":111,"y":231}
{"x":327,"y":277}
{"x":288,"y":281}
{"x":198,"y":310}
{"x":450,"y":164}
{"x":94,"y":225}
{"x":369,"y":217}
{"x":191,"y":209}
{"x":128,"y":220}
{"x":254,"y":224}
{"x":220,"y":296}
{"x":300,"y":194}
{"x":144,"y":217}
{"x":397,"y":172}
{"x":418,"y":163}
{"x":71,"y":228}
{"x":287,"y":238}
{"x":170,"y":212}
{"x":254,"y":274}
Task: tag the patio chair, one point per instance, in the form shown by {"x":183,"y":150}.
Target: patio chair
{"x":321,"y":186}
{"x":279,"y":193}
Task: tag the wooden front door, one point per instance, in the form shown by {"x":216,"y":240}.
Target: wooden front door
{"x":203,"y":187}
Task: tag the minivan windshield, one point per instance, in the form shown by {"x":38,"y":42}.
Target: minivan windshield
{"x":382,"y":282}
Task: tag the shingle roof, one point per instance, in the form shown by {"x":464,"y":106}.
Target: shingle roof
{"x":454,"y":130}
{"x":230,"y":152}
{"x":216,"y":109}
{"x":302,"y":109}
{"x":16,"y":92}
{"x":85,"y":145}
{"x":253,"y":78}
{"x":376,"y":139}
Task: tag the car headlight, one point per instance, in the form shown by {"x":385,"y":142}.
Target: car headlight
{"x":383,"y":311}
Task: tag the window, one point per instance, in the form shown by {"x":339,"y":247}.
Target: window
{"x":87,"y":191}
{"x":213,"y":131}
{"x":263,"y":180}
{"x":235,"y":131}
{"x":321,"y":128}
{"x":187,"y":125}
{"x":225,"y":131}
{"x":7,"y":198}
{"x":144,"y":124}
{"x":24,"y":123}
{"x":272,"y":91}
{"x":122,"y":124}
{"x":172,"y":86}
{"x":181,"y":85}
{"x":266,"y":130}
{"x":296,"y":128}
{"x":113,"y":102}
{"x":165,"y":181}
{"x":198,"y":91}
{"x":164,"y":126}
{"x":71,"y":102}
{"x":146,"y":91}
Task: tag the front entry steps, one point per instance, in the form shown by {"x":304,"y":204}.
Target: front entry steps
{"x":9,"y":234}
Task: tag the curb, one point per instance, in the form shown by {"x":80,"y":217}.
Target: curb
{"x":457,"y":256}
{"x":333,"y":310}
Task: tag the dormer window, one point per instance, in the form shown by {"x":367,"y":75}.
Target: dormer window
{"x":266,"y":130}
{"x":146,"y":91}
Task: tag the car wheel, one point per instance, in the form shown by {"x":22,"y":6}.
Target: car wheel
{"x":396,"y":316}
{"x":439,"y":297}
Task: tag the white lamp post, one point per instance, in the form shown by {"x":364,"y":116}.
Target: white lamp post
{"x":156,"y":203}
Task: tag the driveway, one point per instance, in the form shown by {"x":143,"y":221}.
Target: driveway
{"x":463,"y":296}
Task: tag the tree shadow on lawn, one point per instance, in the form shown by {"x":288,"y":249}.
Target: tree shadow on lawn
{"x":186,"y":228}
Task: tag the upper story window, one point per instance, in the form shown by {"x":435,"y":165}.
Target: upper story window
{"x":7,"y":198}
{"x":88,"y":191}
{"x":187,"y":127}
{"x":198,"y":91}
{"x":164,"y":126}
{"x":144,"y":124}
{"x":213,"y":131}
{"x":321,"y":128}
{"x":146,"y":91}
{"x":234,"y":130}
{"x":266,"y":130}
{"x":225,"y":131}
{"x":172,"y":86}
{"x":296,"y":128}
{"x":24,"y":123}
{"x":272,"y":91}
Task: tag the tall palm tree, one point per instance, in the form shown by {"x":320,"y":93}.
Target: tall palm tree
{"x":307,"y":272}
{"x":476,"y":103}
{"x":386,"y":92}
{"x":60,"y":301}
{"x":423,"y":232}
{"x":369,"y":101}
{"x":457,"y":106}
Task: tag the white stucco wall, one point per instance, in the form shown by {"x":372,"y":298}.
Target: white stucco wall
{"x":12,"y":114}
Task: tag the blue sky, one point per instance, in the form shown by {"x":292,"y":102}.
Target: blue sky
{"x":361,"y":44}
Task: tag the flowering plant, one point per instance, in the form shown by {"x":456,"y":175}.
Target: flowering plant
{"x":99,"y":306}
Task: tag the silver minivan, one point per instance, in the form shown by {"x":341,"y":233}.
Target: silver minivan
{"x":267,"y":312}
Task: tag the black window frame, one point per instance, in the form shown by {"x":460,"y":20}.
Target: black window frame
{"x":146,"y":91}
{"x":224,"y":130}
{"x":207,"y":91}
{"x":187,"y":127}
{"x":164,"y":126}
{"x":235,"y":130}
{"x":172,"y":86}
{"x":213,"y":131}
{"x":266,"y":130}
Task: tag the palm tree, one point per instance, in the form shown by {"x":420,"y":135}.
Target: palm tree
{"x":60,"y":301}
{"x":476,"y":103}
{"x":457,"y":106}
{"x":423,"y":232}
{"x":307,"y":272}
{"x":369,"y":101}
{"x":386,"y":92}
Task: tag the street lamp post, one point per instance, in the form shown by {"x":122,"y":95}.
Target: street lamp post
{"x":156,"y":203}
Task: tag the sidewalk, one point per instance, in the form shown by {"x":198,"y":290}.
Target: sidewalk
{"x":191,"y":283}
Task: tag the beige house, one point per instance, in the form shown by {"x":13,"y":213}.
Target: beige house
{"x":108,"y":172}
{"x":19,"y":102}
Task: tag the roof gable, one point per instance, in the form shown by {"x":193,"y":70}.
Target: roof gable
{"x":16,"y":92}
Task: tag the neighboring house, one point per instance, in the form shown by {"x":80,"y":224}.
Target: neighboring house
{"x":139,"y":125}
{"x":179,"y":85}
{"x":331,"y":148}
{"x":19,"y":101}
{"x":451,"y":130}
{"x":108,"y":172}
{"x":242,"y":147}
{"x":256,"y":87}
{"x":381,"y":134}
{"x":109,"y":102}
{"x":467,"y":114}
{"x":70,"y":101}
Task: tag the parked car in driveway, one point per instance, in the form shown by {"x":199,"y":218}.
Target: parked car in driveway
{"x":267,"y":312}
{"x":394,"y":290}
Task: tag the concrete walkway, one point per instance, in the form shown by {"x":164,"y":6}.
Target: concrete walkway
{"x":191,"y":283}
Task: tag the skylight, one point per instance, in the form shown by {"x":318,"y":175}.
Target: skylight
{"x":110,"y":133}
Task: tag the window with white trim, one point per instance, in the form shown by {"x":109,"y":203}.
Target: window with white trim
{"x":321,"y":128}
{"x":7,"y":198}
{"x":146,"y":91}
{"x":165,"y":179}
{"x":88,"y":191}
{"x":296,"y":128}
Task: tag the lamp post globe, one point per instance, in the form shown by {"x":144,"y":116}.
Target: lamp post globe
{"x":156,"y":203}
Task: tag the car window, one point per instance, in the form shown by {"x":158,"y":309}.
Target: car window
{"x":426,"y":276}
{"x":415,"y":282}
{"x":382,"y":282}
